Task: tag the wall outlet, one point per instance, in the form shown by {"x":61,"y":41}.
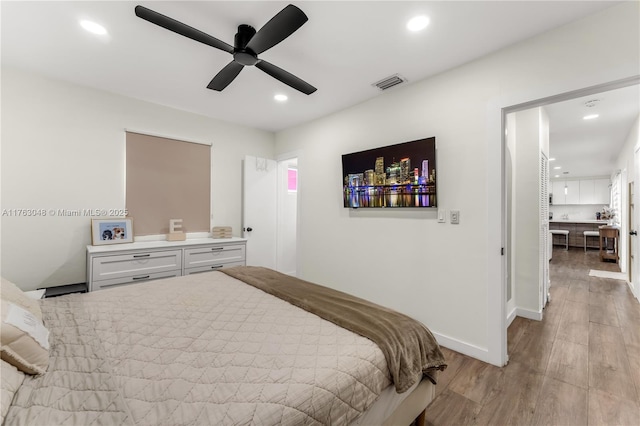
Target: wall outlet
{"x":455,"y":217}
{"x":442,"y":215}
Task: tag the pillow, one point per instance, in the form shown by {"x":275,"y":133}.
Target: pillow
{"x":24,"y":339}
{"x":11,"y":293}
{"x":11,"y":378}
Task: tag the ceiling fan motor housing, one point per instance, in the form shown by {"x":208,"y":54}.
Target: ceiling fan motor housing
{"x":244,"y":34}
{"x":241,"y":54}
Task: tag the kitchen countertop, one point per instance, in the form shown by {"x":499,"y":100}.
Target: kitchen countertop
{"x":599,"y":222}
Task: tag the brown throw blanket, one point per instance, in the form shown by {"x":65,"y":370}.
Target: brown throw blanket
{"x":409,"y":348}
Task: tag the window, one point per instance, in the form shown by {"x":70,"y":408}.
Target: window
{"x":167,"y":179}
{"x":292,"y":180}
{"x":616,"y":204}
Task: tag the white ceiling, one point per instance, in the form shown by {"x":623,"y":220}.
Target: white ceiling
{"x":341,"y":50}
{"x":590,"y":147}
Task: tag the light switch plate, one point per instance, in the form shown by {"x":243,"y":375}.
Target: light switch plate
{"x":455,"y":217}
{"x":442,"y":215}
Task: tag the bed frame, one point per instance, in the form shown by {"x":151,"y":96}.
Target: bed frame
{"x":414,"y":406}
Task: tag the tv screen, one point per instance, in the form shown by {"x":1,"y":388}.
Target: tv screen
{"x":401,"y":175}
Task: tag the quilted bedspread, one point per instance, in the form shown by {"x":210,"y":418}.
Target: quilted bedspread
{"x":203,"y":349}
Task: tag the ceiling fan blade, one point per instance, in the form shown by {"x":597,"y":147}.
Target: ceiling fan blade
{"x":286,"y":77}
{"x":180,"y":28}
{"x":225,"y":76}
{"x":281,"y":26}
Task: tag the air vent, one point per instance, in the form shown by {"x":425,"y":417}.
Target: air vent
{"x":389,"y":82}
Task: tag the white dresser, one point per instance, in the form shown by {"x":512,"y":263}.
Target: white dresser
{"x":121,"y":264}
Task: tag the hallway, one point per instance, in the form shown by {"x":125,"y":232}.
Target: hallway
{"x":579,"y":366}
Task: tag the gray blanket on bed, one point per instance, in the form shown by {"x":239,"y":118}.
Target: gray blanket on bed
{"x":408,"y":346}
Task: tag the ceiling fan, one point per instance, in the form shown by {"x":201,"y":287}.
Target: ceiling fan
{"x":247,"y":46}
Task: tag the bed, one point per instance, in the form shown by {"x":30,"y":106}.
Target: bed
{"x":235,"y":347}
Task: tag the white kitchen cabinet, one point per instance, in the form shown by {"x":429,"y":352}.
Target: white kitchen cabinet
{"x":557,"y":189}
{"x":122,"y":264}
{"x":566,"y":192}
{"x":582,"y":191}
{"x":586,"y":191}
{"x":573,"y":192}
{"x":602,"y":192}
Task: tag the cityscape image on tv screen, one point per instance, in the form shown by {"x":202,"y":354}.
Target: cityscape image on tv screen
{"x":401,"y":175}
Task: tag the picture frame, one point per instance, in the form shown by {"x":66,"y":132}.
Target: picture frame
{"x":116,"y":230}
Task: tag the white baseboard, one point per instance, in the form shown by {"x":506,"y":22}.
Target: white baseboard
{"x":464,"y":348}
{"x":529,"y":314}
{"x":512,"y":315}
{"x":636,"y":293}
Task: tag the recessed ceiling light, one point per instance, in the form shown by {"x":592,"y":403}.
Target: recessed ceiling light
{"x":590,"y":116}
{"x":556,"y":176}
{"x":552,"y":159}
{"x":418,"y":23}
{"x":280,"y":97}
{"x":557,"y":167}
{"x":93,"y":28}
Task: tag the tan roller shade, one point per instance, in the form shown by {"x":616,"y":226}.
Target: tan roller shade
{"x":167,"y":179}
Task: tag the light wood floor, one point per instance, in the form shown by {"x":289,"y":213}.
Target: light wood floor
{"x":579,"y":366}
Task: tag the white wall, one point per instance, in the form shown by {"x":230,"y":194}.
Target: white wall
{"x":532,"y":138}
{"x":448,"y":276}
{"x":63,"y":148}
{"x":576,"y":211}
{"x":626,"y":163}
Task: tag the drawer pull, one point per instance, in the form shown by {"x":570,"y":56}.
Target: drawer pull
{"x":142,"y":255}
{"x":216,"y":267}
{"x":217,"y":248}
{"x":142,"y":278}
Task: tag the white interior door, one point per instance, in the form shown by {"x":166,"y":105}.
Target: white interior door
{"x":259,"y":213}
{"x":633,"y":228}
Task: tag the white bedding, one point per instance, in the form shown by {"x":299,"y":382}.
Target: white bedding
{"x":199,"y":349}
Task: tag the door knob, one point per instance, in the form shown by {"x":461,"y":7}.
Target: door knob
{"x":249,"y":229}
{"x":633,"y":232}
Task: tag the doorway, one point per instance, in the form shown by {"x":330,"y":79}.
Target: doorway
{"x":632,"y":233}
{"x":510,"y":207}
{"x":287,"y":216}
{"x":270,"y":212}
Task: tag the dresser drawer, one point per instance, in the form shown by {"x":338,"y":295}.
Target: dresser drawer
{"x":101,"y":285}
{"x":138,"y":264}
{"x":213,"y":255}
{"x":201,"y":269}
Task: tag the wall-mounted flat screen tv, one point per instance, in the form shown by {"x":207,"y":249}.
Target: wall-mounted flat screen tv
{"x":401,"y":175}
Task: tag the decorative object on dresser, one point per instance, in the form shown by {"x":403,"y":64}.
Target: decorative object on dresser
{"x":221,"y":232}
{"x":152,"y":260}
{"x":175,"y":233}
{"x":111,"y":231}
